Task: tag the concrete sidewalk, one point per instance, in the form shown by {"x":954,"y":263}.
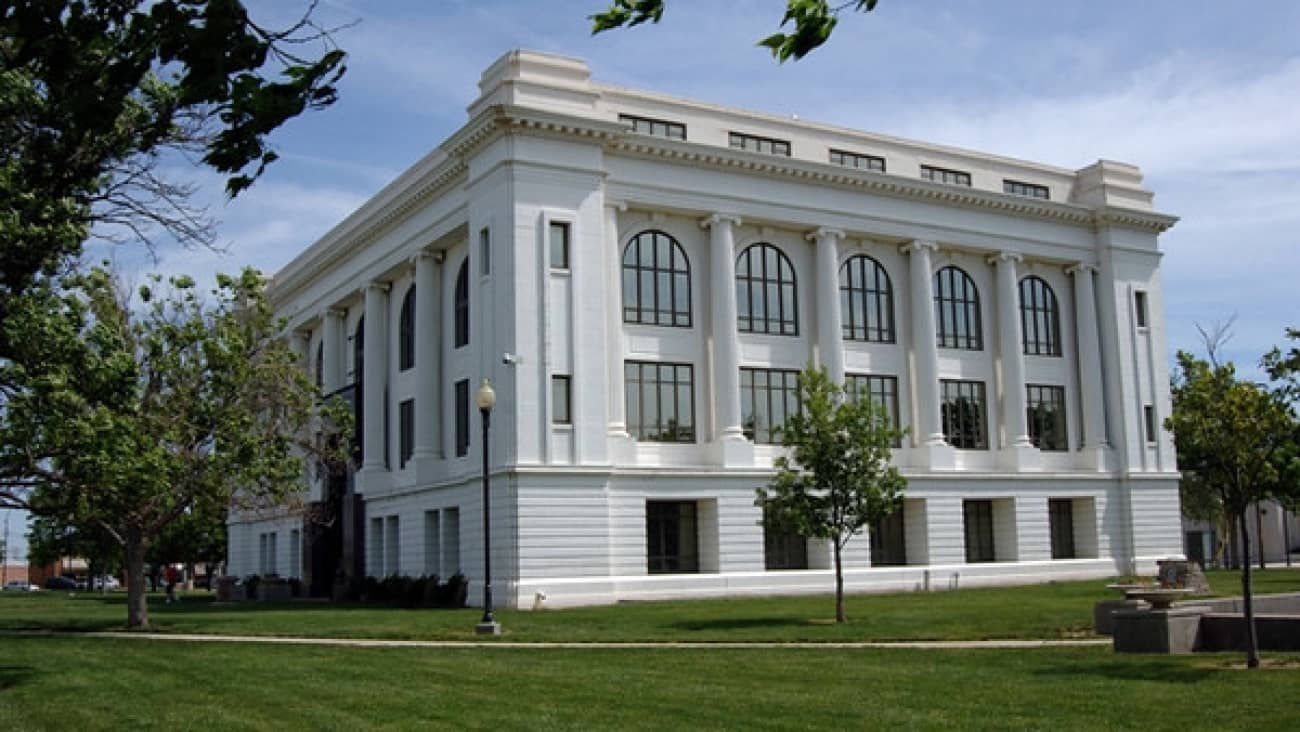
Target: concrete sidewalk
{"x":697,"y":645}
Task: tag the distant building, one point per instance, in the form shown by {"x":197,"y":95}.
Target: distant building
{"x":642,"y":277}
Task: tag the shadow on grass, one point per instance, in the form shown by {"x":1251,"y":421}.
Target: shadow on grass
{"x":1137,"y":668}
{"x":11,"y":676}
{"x":740,"y":623}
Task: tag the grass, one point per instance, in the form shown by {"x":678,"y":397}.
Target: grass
{"x":1057,"y":610}
{"x":79,"y":683}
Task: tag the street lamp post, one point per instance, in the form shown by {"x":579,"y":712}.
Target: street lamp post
{"x":486,"y":398}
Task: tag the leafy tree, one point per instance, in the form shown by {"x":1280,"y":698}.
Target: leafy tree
{"x":1236,"y":446}
{"x":50,"y":539}
{"x":813,"y":20}
{"x":838,"y":477}
{"x":93,"y":92}
{"x":129,"y":418}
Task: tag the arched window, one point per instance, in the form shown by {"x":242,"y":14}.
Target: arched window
{"x":957,"y":310}
{"x":406,"y":332}
{"x":1040,"y":318}
{"x":656,"y":281}
{"x":766,"y":295}
{"x":320,"y":364}
{"x":461,"y":305}
{"x":866,"y":301}
{"x":359,"y":351}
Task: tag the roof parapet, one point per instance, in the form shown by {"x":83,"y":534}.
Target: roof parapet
{"x":534,"y":79}
{"x":1110,"y":183}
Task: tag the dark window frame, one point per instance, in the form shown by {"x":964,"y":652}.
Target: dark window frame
{"x":888,"y":539}
{"x":883,"y":390}
{"x":320,"y":364}
{"x":406,"y":331}
{"x":857,"y":161}
{"x":946,"y":176}
{"x":560,"y":262}
{"x":964,"y":429}
{"x":665,"y":532}
{"x":1027,"y":190}
{"x":664,"y":128}
{"x":864,"y":282}
{"x":462,"y":418}
{"x":779,"y":389}
{"x":1060,"y":528}
{"x":978,"y":532}
{"x":405,"y":432}
{"x":1140,"y":308}
{"x":485,"y":251}
{"x":758,"y":144}
{"x":460,"y":306}
{"x":1049,"y":432}
{"x":1149,"y":423}
{"x":755,"y":284}
{"x":783,"y":549}
{"x":652,"y":305}
{"x":1040,"y":318}
{"x":958,"y":321}
{"x":666,"y":379}
{"x":562,"y":408}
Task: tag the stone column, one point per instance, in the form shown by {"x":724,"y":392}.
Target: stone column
{"x":331,"y":338}
{"x":1092,"y":401}
{"x":1018,"y":453}
{"x":428,"y":355}
{"x":935,"y":451}
{"x":734,"y":449}
{"x":613,"y":248}
{"x":375,"y":376}
{"x":829,"y":332}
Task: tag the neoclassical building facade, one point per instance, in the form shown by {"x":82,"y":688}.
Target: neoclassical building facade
{"x":641,"y":277}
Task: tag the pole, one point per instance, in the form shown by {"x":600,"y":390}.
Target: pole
{"x":488,"y":625}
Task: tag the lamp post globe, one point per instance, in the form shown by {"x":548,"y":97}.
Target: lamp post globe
{"x":486,"y":399}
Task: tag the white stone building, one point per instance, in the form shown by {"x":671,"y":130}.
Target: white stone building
{"x":641,"y":276}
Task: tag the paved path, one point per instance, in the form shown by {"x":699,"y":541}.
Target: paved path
{"x":697,"y":645}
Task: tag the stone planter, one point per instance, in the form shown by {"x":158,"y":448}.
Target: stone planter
{"x":274,"y":589}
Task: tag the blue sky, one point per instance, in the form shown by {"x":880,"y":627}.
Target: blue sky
{"x":1202,"y":95}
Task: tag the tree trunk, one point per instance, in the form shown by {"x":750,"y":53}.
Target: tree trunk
{"x":839,"y":584}
{"x":137,"y":601}
{"x":1252,"y":643}
{"x":90,"y":575}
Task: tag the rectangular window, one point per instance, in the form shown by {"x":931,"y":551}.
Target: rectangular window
{"x":375,"y":548}
{"x":767,"y":397}
{"x":672,"y":544}
{"x":405,"y":432}
{"x":964,"y":414}
{"x":978,"y":521}
{"x":755,"y":143}
{"x":559,"y":237}
{"x":783,"y":549}
{"x":856,"y":160}
{"x":485,"y":251}
{"x":944,"y":175}
{"x":271,"y":554}
{"x":295,"y":553}
{"x":881,"y":390}
{"x":450,"y":541}
{"x":660,"y":401}
{"x":888,"y":548}
{"x":655,"y":127}
{"x":1060,"y":519}
{"x":462,"y":417}
{"x":560,"y":399}
{"x":262,"y":562}
{"x":432,"y":545}
{"x":1031,"y":190}
{"x":1149,"y":422}
{"x":392,"y":545}
{"x":1046,"y":412}
{"x":1140,"y":308}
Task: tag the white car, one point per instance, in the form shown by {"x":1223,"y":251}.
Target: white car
{"x":107,"y":583}
{"x":20,"y":586}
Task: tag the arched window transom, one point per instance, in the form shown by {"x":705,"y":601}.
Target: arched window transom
{"x":406,"y":332}
{"x":1040,"y":318}
{"x":866,"y":301}
{"x":461,"y":305}
{"x":957,"y":310}
{"x":656,"y":281}
{"x":320,"y":364}
{"x":766,"y":292}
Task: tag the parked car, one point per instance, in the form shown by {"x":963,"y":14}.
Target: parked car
{"x":107,"y":583}
{"x":20,"y":586}
{"x":60,"y":583}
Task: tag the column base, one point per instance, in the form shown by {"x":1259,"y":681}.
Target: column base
{"x":1095,"y":458}
{"x":940,"y":456}
{"x":622,"y":448}
{"x":734,"y":451}
{"x":1020,"y":458}
{"x":492,"y":628}
{"x":373,"y":479}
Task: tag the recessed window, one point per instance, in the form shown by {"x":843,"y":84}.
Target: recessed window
{"x":888,"y":545}
{"x":957,"y":310}
{"x":559,"y":245}
{"x":767,"y":398}
{"x":1140,"y":308}
{"x":406,"y":332}
{"x":1045,"y":406}
{"x":672,"y":541}
{"x":866,"y":301}
{"x":359,"y":352}
{"x":461,"y":305}
{"x":783,"y":548}
{"x":655,"y":127}
{"x":561,"y":395}
{"x":485,"y":251}
{"x":977,"y":520}
{"x":945,"y":175}
{"x":755,"y":143}
{"x":320,"y":364}
{"x":1030,"y":190}
{"x":1040,"y":318}
{"x":405,"y":432}
{"x":1149,"y":422}
{"x":1060,"y":520}
{"x":881,"y":390}
{"x":766,"y":294}
{"x":857,"y":160}
{"x":660,"y":399}
{"x":656,"y":281}
{"x":462,"y":417}
{"x":964,"y":414}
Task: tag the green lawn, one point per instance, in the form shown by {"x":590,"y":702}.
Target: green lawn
{"x":78,"y":683}
{"x":1058,"y":610}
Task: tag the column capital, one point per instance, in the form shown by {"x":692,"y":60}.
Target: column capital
{"x":377,"y":285}
{"x":824,"y":231}
{"x":918,"y":245}
{"x":1005,"y":257}
{"x":336,"y":312}
{"x":709,"y":222}
{"x":434,"y":255}
{"x":1080,"y":267}
{"x":620,"y":206}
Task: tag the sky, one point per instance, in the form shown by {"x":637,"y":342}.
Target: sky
{"x":1203,"y":95}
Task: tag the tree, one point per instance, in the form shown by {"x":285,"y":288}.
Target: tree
{"x":1236,"y":446}
{"x":129,"y":418}
{"x":814,"y":21}
{"x":94,"y":92}
{"x":838,"y":477}
{"x":50,"y":539}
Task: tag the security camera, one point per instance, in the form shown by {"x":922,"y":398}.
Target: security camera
{"x":511,"y":359}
